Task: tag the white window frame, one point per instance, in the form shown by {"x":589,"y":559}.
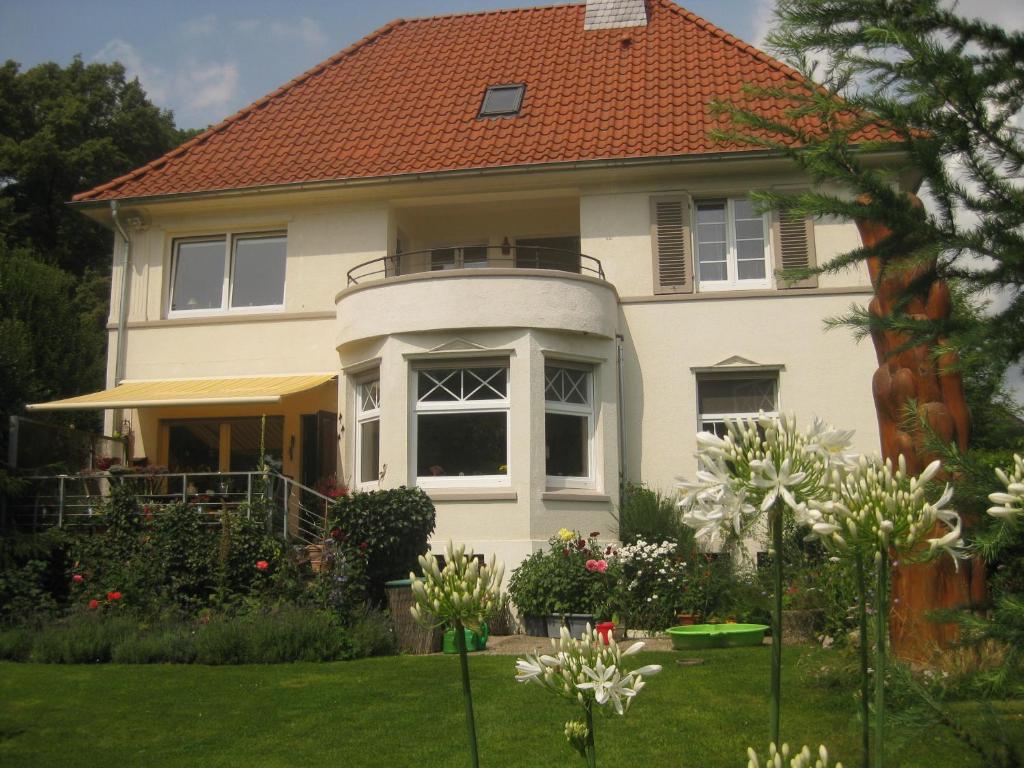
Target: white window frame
{"x":364,"y":416}
{"x":572,"y":409}
{"x":719,"y":418}
{"x":495,"y":405}
{"x":229,"y":239}
{"x":732,"y":281}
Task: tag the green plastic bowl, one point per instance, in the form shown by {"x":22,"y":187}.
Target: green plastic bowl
{"x":700,"y":636}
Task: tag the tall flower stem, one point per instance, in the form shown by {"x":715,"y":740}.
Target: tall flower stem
{"x":865,"y":683}
{"x":591,"y":749}
{"x":776,"y":693}
{"x":460,"y":643}
{"x":881,"y":630}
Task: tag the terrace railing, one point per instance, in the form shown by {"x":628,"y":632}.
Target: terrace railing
{"x":475,"y":257}
{"x":297,"y":513}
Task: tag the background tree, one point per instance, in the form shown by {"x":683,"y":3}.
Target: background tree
{"x":62,"y":131}
{"x":889,"y":94}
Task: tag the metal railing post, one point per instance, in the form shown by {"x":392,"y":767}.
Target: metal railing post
{"x":60,"y":504}
{"x":248,"y":494}
{"x":184,"y":488}
{"x":284,"y":525}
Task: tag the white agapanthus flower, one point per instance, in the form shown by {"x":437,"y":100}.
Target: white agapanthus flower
{"x":757,"y":463}
{"x":1011,"y":502}
{"x":587,"y":670}
{"x":875,"y":506}
{"x":803,"y":759}
{"x":464,"y":591}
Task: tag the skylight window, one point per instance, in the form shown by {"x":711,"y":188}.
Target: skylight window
{"x":502,"y":100}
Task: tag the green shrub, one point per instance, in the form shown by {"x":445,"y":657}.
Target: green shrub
{"x":33,"y":575}
{"x":15,"y":644}
{"x":81,"y":639}
{"x":372,"y":634}
{"x":171,"y":644}
{"x":293,"y":634}
{"x":222,"y":641}
{"x":389,"y":527}
{"x":557,"y":581}
{"x":652,"y":516}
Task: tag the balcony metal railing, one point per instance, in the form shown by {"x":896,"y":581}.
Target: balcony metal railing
{"x":297,"y":513}
{"x":475,"y":257}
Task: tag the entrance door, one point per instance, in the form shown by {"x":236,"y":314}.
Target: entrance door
{"x":319,"y":432}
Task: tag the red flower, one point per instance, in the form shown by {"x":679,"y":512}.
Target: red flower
{"x":336,"y":534}
{"x":78,"y":578}
{"x":581,"y":543}
{"x":363,"y":545}
{"x":608,"y":549}
{"x":113,"y":596}
{"x":594,"y":534}
{"x":94,"y":604}
{"x":262,"y":565}
{"x":565,"y":551}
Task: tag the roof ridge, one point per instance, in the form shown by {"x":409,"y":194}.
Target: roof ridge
{"x":228,"y":122}
{"x":731,"y":39}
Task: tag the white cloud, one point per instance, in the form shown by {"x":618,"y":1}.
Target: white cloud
{"x":763,"y":13}
{"x":303,"y":30}
{"x":199,"y":91}
{"x":208,"y":86}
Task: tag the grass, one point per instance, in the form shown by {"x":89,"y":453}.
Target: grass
{"x":407,"y":711}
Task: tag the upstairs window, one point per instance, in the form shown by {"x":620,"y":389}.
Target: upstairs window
{"x":469,"y":257}
{"x":562,"y":253}
{"x":462,"y":433}
{"x":501,"y":100}
{"x":732,"y":245}
{"x":227,"y":272}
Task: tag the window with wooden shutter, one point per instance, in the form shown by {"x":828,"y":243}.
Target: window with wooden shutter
{"x":794,"y":247}
{"x":672,"y":244}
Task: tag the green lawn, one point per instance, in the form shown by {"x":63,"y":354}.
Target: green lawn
{"x":407,"y":711}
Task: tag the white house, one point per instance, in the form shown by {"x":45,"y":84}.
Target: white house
{"x":497,"y":255}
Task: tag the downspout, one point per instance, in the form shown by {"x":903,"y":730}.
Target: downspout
{"x":122,"y":312}
{"x":622,"y":419}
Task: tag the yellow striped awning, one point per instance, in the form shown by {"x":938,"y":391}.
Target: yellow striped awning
{"x":229,"y":391}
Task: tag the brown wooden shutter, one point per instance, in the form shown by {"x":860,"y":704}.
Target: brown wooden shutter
{"x":794,"y":247}
{"x":672,"y":244}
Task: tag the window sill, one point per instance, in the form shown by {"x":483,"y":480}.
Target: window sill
{"x":574,"y":494}
{"x":483,"y":494}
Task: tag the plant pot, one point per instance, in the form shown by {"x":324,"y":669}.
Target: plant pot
{"x":686,"y":619}
{"x":604,"y":629}
{"x":553,"y":625}
{"x":474,"y":641}
{"x":535,"y":626}
{"x":578,"y":623}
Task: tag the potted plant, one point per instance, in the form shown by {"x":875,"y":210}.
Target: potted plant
{"x":569,"y":585}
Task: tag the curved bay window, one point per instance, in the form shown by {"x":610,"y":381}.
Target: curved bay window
{"x":461,"y":424}
{"x":368,"y":432}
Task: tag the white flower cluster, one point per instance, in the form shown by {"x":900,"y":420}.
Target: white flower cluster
{"x":802,"y":759}
{"x":464,"y":591}
{"x":645,"y":552}
{"x":875,"y":506}
{"x":758,"y":462}
{"x":586,"y":670}
{"x":1010,"y":503}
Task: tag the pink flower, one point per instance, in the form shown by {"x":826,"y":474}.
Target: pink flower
{"x":78,"y":578}
{"x":262,"y":565}
{"x":592,"y":565}
{"x":601,"y":566}
{"x":94,"y":604}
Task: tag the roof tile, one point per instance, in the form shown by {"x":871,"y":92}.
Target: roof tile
{"x":405,"y":99}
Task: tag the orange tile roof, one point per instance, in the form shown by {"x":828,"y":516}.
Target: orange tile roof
{"x":404,"y":100}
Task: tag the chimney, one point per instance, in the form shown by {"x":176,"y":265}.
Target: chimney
{"x":615,"y":14}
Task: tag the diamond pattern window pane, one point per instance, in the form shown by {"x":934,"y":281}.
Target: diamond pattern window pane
{"x":462,"y":384}
{"x":369,"y":396}
{"x":565,"y":385}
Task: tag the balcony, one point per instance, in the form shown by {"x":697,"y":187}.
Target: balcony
{"x":476,"y":257}
{"x":477,"y":287}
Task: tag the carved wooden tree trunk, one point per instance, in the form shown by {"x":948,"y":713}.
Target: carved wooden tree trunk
{"x":916,"y":375}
